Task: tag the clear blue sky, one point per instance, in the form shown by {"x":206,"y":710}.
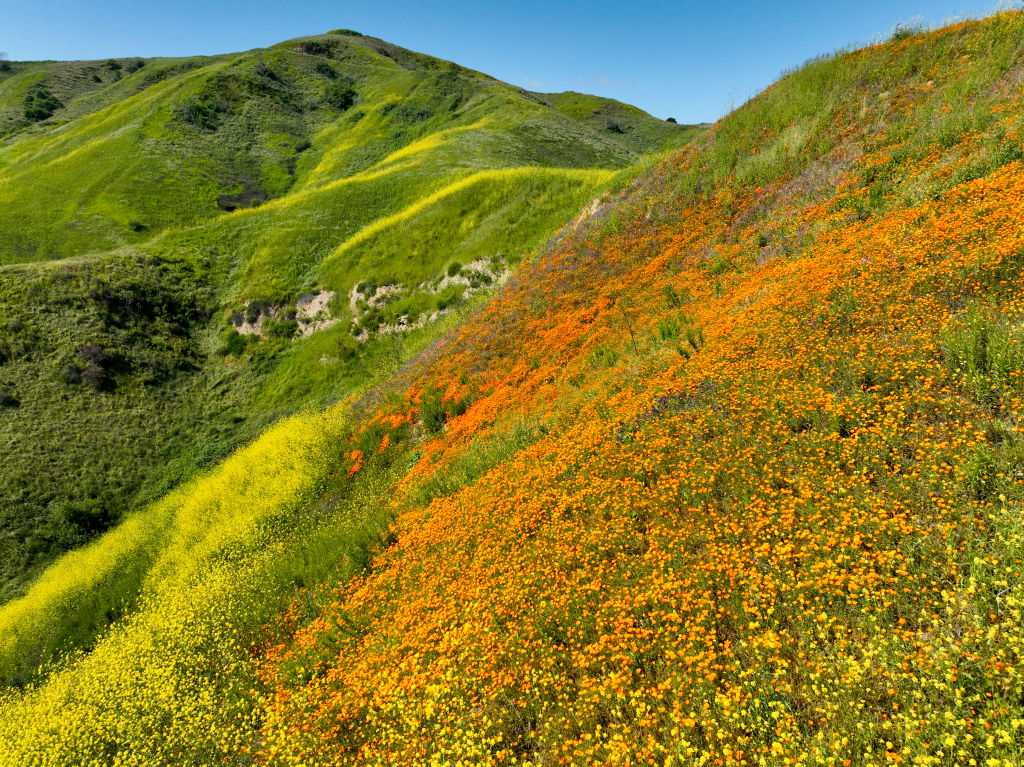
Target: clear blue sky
{"x":688,"y":59}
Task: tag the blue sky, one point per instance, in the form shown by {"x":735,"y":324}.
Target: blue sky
{"x":691,"y":60}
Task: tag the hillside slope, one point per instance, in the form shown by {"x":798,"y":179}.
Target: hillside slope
{"x":181,"y":243}
{"x":730,"y":473}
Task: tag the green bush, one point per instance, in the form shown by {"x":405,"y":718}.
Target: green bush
{"x":202,"y":111}
{"x":40,"y":104}
{"x":340,"y":94}
{"x":234,"y":343}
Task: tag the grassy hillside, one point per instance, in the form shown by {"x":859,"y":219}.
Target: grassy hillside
{"x":730,"y":473}
{"x":162,"y":206}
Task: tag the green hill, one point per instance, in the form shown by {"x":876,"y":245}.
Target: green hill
{"x":337,"y":199}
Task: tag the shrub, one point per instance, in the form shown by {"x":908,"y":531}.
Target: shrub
{"x":435,"y":410}
{"x":71,"y":375}
{"x":95,"y":355}
{"x":718,"y":264}
{"x":97,"y":378}
{"x":432,"y":412}
{"x":264,"y":71}
{"x":203,"y":112}
{"x":40,"y":104}
{"x":325,"y":69}
{"x":255,"y":309}
{"x":8,"y":400}
{"x":135,"y":65}
{"x":234,"y":343}
{"x":340,"y":94}
{"x":454,"y":268}
{"x":316,"y":47}
{"x":448,"y":297}
{"x":676,"y":299}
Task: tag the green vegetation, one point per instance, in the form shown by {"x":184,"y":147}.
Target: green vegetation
{"x":730,"y":472}
{"x":147,"y":204}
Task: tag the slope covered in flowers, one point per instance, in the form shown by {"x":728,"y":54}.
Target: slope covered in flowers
{"x":730,"y":474}
{"x":770,"y":512}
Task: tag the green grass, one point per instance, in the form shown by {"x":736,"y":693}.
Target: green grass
{"x":950,"y":74}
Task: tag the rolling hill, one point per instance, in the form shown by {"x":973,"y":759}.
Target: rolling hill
{"x":191,"y":249}
{"x":729,"y":472}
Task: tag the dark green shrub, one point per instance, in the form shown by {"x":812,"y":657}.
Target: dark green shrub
{"x":234,"y":343}
{"x":316,"y":47}
{"x":448,"y":297}
{"x":340,"y":94}
{"x":40,"y":104}
{"x":202,"y":111}
{"x":454,"y":268}
{"x":325,"y":70}
{"x":8,"y":400}
{"x":432,"y":412}
{"x":435,"y":410}
{"x":94,"y":354}
{"x":97,"y":378}
{"x":264,"y":71}
{"x":256,"y":309}
{"x":718,"y":264}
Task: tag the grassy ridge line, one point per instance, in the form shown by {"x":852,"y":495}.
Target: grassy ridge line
{"x":378,"y":226}
{"x":159,"y":547}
